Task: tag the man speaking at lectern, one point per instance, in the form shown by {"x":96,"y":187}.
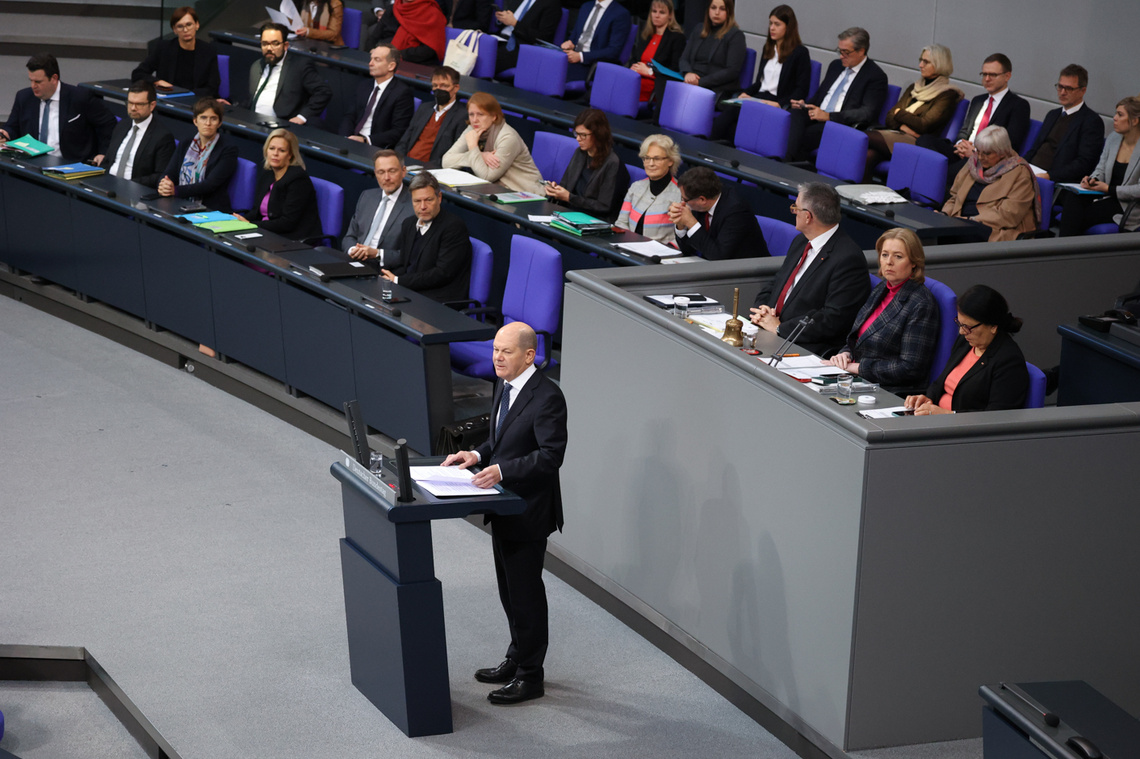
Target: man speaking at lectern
{"x":524,"y":452}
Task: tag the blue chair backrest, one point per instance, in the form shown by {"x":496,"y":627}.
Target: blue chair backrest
{"x":1046,"y":188}
{"x":482,"y":266}
{"x":777,"y":234}
{"x":893,"y":93}
{"x":416,"y":102}
{"x":816,"y":67}
{"x":616,"y":89}
{"x":921,"y":171}
{"x":350,"y":27}
{"x":763,"y":130}
{"x":224,"y":75}
{"x":947,"y":302}
{"x":533,"y":291}
{"x":560,"y":34}
{"x":748,"y":73}
{"x":627,"y":50}
{"x":955,"y":124}
{"x":636,"y":173}
{"x":842,"y":153}
{"x":242,"y":185}
{"x":551,"y":153}
{"x":541,"y":70}
{"x":487,"y":48}
{"x":1030,"y":136}
{"x":1035,"y":398}
{"x":330,"y":206}
{"x":688,"y":108}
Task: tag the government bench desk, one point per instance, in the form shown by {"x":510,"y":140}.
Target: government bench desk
{"x":774,"y":180}
{"x":333,"y":341}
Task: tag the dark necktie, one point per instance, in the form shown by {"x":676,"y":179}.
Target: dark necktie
{"x":791,"y":280}
{"x":367,"y":110}
{"x":265,"y":81}
{"x":121,"y":169}
{"x":44,"y":121}
{"x":504,"y":407}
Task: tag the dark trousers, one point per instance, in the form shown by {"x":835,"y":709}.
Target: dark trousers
{"x":803,"y":135}
{"x":518,"y":567}
{"x":1079,"y":212}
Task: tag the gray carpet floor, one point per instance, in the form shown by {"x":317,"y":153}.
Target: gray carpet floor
{"x":189,"y":542}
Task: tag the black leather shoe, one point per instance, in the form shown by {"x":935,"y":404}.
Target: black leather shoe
{"x":503,"y":673}
{"x":515,"y":692}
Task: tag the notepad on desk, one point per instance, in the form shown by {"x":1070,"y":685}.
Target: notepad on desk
{"x":448,"y":481}
{"x":649,"y":248}
{"x":455,"y":177}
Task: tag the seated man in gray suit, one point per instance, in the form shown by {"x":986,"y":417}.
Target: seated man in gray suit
{"x":374,"y":232}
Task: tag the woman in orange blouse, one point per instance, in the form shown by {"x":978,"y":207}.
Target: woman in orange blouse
{"x":986,"y":370}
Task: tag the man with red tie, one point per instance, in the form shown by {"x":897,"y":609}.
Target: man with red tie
{"x":824,"y":276}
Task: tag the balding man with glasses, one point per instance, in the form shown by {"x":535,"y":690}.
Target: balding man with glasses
{"x":1071,"y":137}
{"x":852,"y":93}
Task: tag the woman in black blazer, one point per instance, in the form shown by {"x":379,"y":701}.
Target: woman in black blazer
{"x":986,"y":370}
{"x":716,"y":51}
{"x":285,"y":202}
{"x":595,"y":180}
{"x":785,"y":71}
{"x":661,"y":40}
{"x":203,"y":165}
{"x":184,"y":61}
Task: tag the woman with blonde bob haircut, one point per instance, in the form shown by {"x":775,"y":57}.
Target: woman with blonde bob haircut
{"x":645,"y":209}
{"x":895,"y":333}
{"x":491,"y":149}
{"x":285,"y":201}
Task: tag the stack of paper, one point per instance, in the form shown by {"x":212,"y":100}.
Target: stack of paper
{"x":74,"y":171}
{"x":448,"y":481}
{"x":649,"y":248}
{"x":455,"y":177}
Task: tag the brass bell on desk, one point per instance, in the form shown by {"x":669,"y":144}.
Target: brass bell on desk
{"x":734,"y":328}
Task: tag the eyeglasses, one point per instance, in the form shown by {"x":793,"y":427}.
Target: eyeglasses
{"x":184,"y":27}
{"x":133,"y":104}
{"x":966,"y":329}
{"x":844,"y":53}
{"x":925,"y":62}
{"x":796,"y":209}
{"x":1066,"y":88}
{"x":275,"y":43}
{"x":654,"y":159}
{"x":989,"y":75}
{"x":582,"y":135}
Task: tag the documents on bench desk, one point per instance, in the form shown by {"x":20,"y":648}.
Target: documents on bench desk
{"x":443,"y":481}
{"x":649,"y":248}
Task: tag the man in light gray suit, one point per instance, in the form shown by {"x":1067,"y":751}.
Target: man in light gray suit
{"x":374,"y":231}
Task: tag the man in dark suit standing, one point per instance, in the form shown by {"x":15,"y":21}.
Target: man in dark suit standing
{"x":997,"y":106}
{"x":525,"y":22}
{"x":286,"y":86}
{"x":437,"y":123}
{"x":712,"y":222}
{"x":435,"y":251}
{"x":1072,"y":136}
{"x":383,"y":107}
{"x":74,"y":123}
{"x":599,"y":36}
{"x":140,"y":146}
{"x":374,"y":230}
{"x":524,"y":452}
{"x":852,"y":93}
{"x":824,"y":276}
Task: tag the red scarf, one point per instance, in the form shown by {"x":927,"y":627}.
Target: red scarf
{"x":421,"y":23}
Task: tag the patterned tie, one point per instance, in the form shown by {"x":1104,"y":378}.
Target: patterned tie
{"x":791,"y":280}
{"x":829,"y":106}
{"x":121,"y":169}
{"x":985,"y":122}
{"x":44,"y":121}
{"x":504,"y":407}
{"x":588,"y":33}
{"x":367,"y":110}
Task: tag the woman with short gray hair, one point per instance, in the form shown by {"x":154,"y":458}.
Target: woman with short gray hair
{"x":645,"y":209}
{"x":997,"y":188}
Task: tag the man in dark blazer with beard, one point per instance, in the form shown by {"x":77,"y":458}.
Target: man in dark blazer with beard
{"x":525,"y":450}
{"x":712,"y":222}
{"x":151,"y":150}
{"x":827,"y":281}
{"x":286,"y":86}
{"x":435,"y":251}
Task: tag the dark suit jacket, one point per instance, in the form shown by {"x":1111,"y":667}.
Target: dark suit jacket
{"x":1012,"y":113}
{"x":865,"y":96}
{"x":529,"y":450}
{"x":795,"y":78}
{"x":899,"y":345}
{"x":470,"y":14}
{"x":292,"y":211}
{"x":999,"y":380}
{"x":604,"y":192}
{"x":1078,"y":150}
{"x":391,"y":117}
{"x":717,"y":62}
{"x":162,"y":60}
{"x":831,"y":291}
{"x":361,"y":222}
{"x":220,"y":168}
{"x":300,"y":88}
{"x":152,"y":155}
{"x":668,"y":52}
{"x":84,"y":122}
{"x":610,"y":34}
{"x":440,"y":267}
{"x":735,"y":232}
{"x":539,"y":23}
{"x":452,"y":125}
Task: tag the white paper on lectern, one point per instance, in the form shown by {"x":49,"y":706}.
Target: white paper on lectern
{"x":447,"y":481}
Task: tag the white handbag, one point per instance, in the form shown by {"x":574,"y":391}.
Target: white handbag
{"x":463,"y":51}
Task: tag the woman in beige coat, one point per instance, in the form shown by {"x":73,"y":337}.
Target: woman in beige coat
{"x":492,"y":149}
{"x":997,"y":188}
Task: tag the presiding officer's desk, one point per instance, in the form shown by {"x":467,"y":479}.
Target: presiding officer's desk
{"x":859,"y":578}
{"x":333,"y":341}
{"x":774,"y":180}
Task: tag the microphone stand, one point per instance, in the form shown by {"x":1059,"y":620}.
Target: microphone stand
{"x":803,"y":324}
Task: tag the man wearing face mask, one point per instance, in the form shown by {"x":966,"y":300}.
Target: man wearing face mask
{"x":438,"y":123}
{"x":383,"y":107}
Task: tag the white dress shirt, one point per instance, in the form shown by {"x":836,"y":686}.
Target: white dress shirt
{"x":52,"y":137}
{"x":379,"y":89}
{"x":816,"y":245}
{"x":977,"y":121}
{"x":770,"y":74}
{"x":264,"y":103}
{"x":373,"y":242}
{"x":130,"y":159}
{"x":846,"y":87}
{"x":585,"y":42}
